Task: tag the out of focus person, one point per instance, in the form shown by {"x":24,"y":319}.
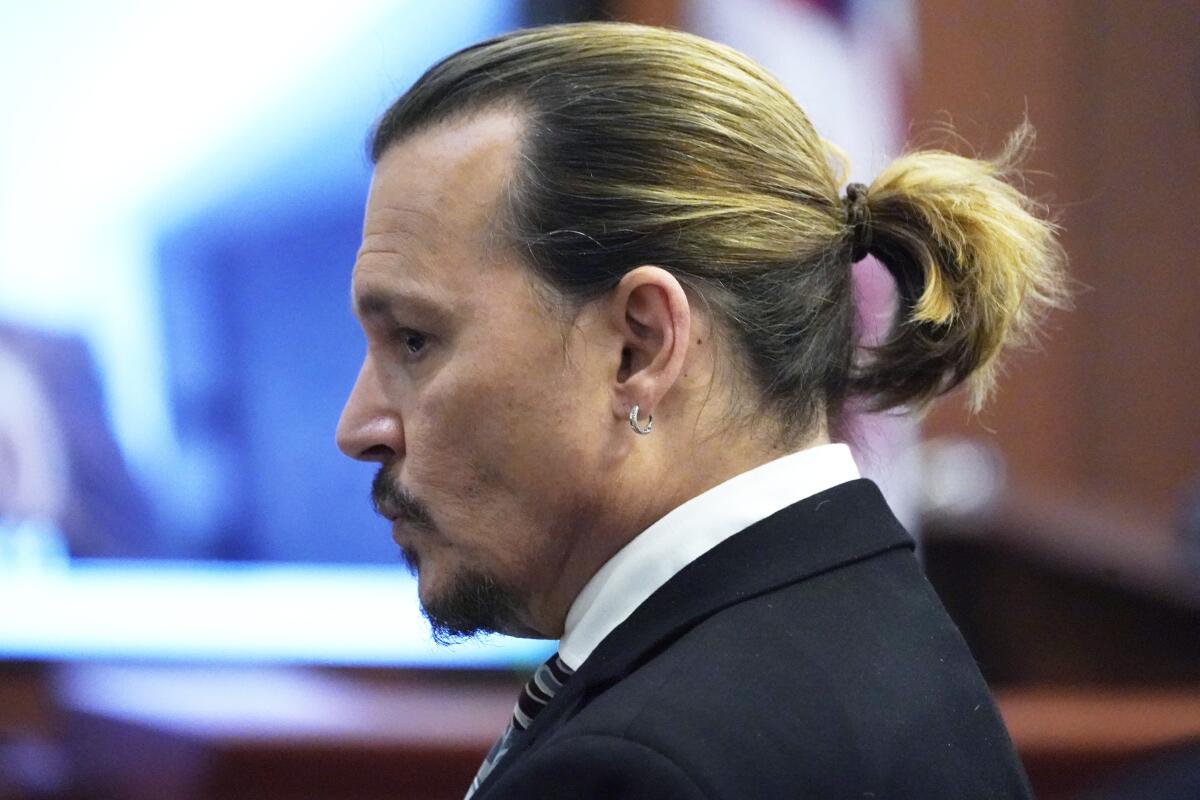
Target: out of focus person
{"x":64,"y":484}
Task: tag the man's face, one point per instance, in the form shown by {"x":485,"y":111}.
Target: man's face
{"x":485,"y":412}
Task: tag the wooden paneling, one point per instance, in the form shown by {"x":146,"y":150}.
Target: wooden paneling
{"x":665,"y":13}
{"x":422,"y":737}
{"x":1072,"y":739}
{"x":193,"y":733}
{"x":1107,"y":406}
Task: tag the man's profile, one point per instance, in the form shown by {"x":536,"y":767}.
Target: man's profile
{"x":605,"y":284}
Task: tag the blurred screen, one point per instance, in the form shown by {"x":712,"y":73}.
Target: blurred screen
{"x":181,"y":190}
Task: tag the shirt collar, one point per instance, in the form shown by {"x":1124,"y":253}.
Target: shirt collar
{"x":687,"y":532}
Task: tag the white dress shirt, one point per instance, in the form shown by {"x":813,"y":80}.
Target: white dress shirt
{"x":689,"y":531}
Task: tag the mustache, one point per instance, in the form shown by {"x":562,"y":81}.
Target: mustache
{"x":397,"y":503}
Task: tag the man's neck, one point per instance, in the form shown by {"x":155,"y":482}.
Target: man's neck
{"x":638,"y":503}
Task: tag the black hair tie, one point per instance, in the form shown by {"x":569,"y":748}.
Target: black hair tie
{"x":858,"y":217}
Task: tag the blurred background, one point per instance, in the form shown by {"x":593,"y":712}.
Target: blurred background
{"x":195,"y":597}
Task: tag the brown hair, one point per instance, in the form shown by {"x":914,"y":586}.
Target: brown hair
{"x":649,"y":146}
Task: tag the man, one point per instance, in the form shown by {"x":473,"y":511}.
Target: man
{"x":605,"y":285}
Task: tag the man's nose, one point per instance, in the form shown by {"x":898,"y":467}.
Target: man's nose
{"x":370,"y":428}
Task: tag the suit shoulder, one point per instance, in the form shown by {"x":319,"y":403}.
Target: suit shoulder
{"x":852,"y":676}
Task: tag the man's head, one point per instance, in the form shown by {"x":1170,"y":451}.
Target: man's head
{"x":552,"y":223}
{"x":489,"y":411}
{"x":569,"y":221}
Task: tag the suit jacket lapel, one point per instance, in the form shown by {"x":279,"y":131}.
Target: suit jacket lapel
{"x":847,"y":523}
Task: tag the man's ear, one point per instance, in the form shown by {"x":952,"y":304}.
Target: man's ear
{"x":653,"y":317}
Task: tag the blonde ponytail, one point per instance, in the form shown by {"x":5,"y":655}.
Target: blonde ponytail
{"x":977,"y":264}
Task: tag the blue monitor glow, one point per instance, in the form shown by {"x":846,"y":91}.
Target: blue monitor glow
{"x":180,"y":202}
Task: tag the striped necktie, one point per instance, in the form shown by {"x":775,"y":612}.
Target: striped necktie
{"x":539,"y":691}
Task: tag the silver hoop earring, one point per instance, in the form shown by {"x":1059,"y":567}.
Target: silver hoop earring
{"x":633,"y":423}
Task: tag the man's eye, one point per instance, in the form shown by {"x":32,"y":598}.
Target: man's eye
{"x":413,"y":341}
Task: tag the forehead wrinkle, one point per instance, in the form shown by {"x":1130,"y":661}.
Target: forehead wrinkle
{"x":395,"y":217}
{"x":390,"y":237}
{"x":414,"y":234}
{"x":392,"y":276}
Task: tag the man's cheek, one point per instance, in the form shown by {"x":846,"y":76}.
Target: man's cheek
{"x":479,"y":432}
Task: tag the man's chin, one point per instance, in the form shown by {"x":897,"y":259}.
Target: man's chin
{"x":474,"y":604}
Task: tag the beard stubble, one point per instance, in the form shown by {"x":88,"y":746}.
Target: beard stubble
{"x":475,"y":603}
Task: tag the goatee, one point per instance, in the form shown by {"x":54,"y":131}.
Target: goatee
{"x":475,"y":603}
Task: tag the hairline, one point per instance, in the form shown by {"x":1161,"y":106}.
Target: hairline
{"x":501,"y":233}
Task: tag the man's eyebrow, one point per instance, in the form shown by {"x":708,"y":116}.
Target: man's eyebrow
{"x":376,"y":304}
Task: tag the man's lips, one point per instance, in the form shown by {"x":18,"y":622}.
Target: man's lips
{"x":405,"y":539}
{"x":398,"y":504}
{"x":405,"y":532}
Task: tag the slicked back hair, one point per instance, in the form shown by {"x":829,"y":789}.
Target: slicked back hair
{"x":649,"y":146}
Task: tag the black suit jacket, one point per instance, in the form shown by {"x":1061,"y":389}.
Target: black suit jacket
{"x":805,"y":657}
